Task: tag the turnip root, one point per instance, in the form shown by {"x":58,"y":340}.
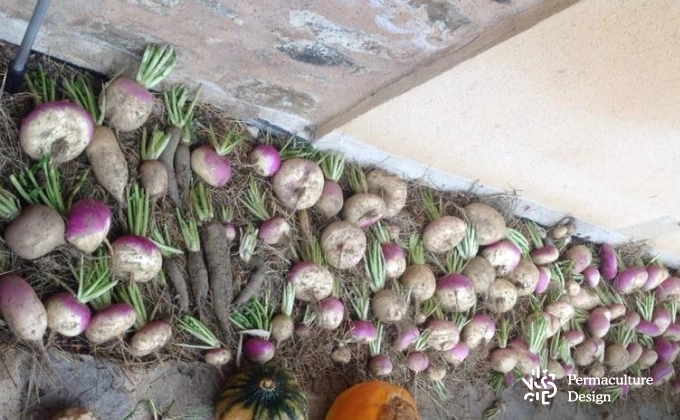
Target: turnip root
{"x":455,"y":293}
{"x":282,"y":325}
{"x":647,"y":358}
{"x":388,"y":306}
{"x":108,"y":162}
{"x":591,"y":276}
{"x":573,"y":338}
{"x":36,"y":232}
{"x":503,"y":256}
{"x":417,"y":361}
{"x":343,"y":243}
{"x":217,"y":356}
{"x":129,"y":102}
{"x":562,"y":310}
{"x":265,"y":160}
{"x":502,"y":295}
{"x":363,"y":208}
{"x":616,"y":358}
{"x":110,"y":322}
{"x":656,"y":274}
{"x":332,"y":198}
{"x":524,"y":276}
{"x":572,"y":287}
{"x":580,"y":256}
{"x":630,"y":279}
{"x":443,"y":232}
{"x":480,"y":273}
{"x":503,"y":360}
{"x":258,"y":350}
{"x":380,"y":365}
{"x":543,"y":283}
{"x":135,"y":258}
{"x":298,"y":183}
{"x":153,"y":176}
{"x":388,"y":187}
{"x":480,"y":330}
{"x":634,"y":352}
{"x":61,"y":130}
{"x":273,"y":230}
{"x":661,"y":373}
{"x":547,"y":254}
{"x":87,"y":225}
{"x":457,"y":354}
{"x":669,"y":289}
{"x":150,"y":338}
{"x":608,"y":262}
{"x":585,"y":300}
{"x":443,"y":335}
{"x":21,"y":309}
{"x":342,"y":354}
{"x":310,"y":281}
{"x":586,"y":352}
{"x":418,"y":278}
{"x":406,"y":337}
{"x":488,"y":222}
{"x":599,"y":321}
{"x":330,"y":313}
{"x":555,"y":368}
{"x":66,"y":315}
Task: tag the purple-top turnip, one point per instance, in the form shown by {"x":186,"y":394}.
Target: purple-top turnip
{"x":273,"y":230}
{"x":265,"y":160}
{"x":393,"y":255}
{"x":503,"y":255}
{"x":129,"y":102}
{"x":209,"y":161}
{"x":87,"y":225}
{"x":608,"y":262}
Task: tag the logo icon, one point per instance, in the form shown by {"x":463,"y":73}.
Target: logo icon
{"x":540,"y":389}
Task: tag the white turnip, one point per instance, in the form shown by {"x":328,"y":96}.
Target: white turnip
{"x":442,"y":335}
{"x":298,"y":183}
{"x":135,"y":258}
{"x":23,"y":312}
{"x":150,"y":338}
{"x":418,"y":278}
{"x":332,"y":197}
{"x":443,"y":232}
{"x":362,"y":208}
{"x":480,"y":330}
{"x":330,"y":313}
{"x":129,"y":102}
{"x":480,"y":273}
{"x":488,"y":222}
{"x":310,"y":281}
{"x":110,"y":323}
{"x":580,"y":257}
{"x":547,"y":254}
{"x":524,"y":276}
{"x":390,"y":188}
{"x":502,"y":295}
{"x":36,"y":232}
{"x":457,"y":354}
{"x":343,"y":243}
{"x":388,"y":306}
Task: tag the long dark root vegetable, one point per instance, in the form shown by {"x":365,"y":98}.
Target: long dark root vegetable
{"x":171,"y":266}
{"x":180,"y":113}
{"x":198,"y":273}
{"x":255,"y":282}
{"x":217,"y":254}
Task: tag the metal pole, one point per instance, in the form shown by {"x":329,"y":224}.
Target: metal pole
{"x":15,"y":74}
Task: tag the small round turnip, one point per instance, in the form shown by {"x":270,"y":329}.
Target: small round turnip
{"x":363,"y":209}
{"x":420,"y":280}
{"x":153,"y":176}
{"x":88,"y":224}
{"x":150,"y":338}
{"x":502,"y":295}
{"x":503,"y":256}
{"x":66,"y":315}
{"x":390,"y":188}
{"x":380,"y":365}
{"x":388,"y":306}
{"x":342,"y":354}
{"x":136,"y":258}
{"x":258,"y":350}
{"x":265,"y":159}
{"x":524,"y":276}
{"x":503,"y":360}
{"x":310,"y":281}
{"x":443,"y":335}
{"x":344,"y":244}
{"x":580,"y":256}
{"x":23,"y":312}
{"x":481,"y":274}
{"x":455,"y":293}
{"x":217,"y":357}
{"x":332,"y":199}
{"x":212,"y":168}
{"x":282,"y":327}
{"x":110,"y":323}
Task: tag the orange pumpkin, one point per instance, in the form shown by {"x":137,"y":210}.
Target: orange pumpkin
{"x":374,"y":400}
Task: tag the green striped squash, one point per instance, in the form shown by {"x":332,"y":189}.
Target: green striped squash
{"x":262,"y":392}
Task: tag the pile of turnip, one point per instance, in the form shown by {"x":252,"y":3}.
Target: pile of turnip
{"x":184,"y":232}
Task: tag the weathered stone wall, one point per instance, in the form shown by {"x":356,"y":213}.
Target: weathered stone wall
{"x":296,"y":64}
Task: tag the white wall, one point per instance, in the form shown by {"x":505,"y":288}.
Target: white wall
{"x":580,"y":114}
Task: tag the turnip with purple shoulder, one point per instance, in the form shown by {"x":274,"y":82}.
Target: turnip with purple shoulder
{"x":393,"y":254}
{"x":361,"y":329}
{"x":379,"y":365}
{"x":129,"y":102}
{"x":332,"y":197}
{"x":362,"y":208}
{"x":273,"y":230}
{"x":454,"y":291}
{"x":88,"y":224}
{"x":254,"y":319}
{"x":134,"y":256}
{"x":67,"y":312}
{"x":265,"y":160}
{"x":209,"y":161}
{"x":442,"y":232}
{"x":417,"y":360}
